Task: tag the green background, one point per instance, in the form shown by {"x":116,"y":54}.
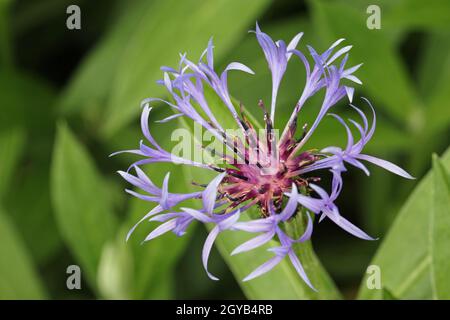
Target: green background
{"x":69,"y":98}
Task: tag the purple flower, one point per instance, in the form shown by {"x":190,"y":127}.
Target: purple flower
{"x":273,"y":174}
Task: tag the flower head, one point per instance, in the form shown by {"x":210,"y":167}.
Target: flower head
{"x":270,"y":172}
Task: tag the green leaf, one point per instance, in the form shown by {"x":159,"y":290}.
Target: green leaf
{"x":115,"y":271}
{"x":417,"y":14}
{"x":35,"y":214}
{"x":155,"y":261}
{"x":401,"y":16}
{"x":433,"y":79}
{"x":387,"y":295}
{"x":89,"y":87}
{"x":5,"y":35}
{"x":440,"y":231}
{"x":386,"y":79}
{"x":379,"y":214}
{"x":404,"y":256}
{"x":26,"y":137}
{"x":82,"y":205}
{"x":36,"y":114}
{"x":12,"y":142}
{"x":18,"y":278}
{"x":159,"y":37}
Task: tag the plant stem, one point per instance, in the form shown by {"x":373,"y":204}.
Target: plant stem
{"x":313,"y":267}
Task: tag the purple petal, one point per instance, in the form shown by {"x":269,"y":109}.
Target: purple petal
{"x":347,"y":225}
{"x":351,"y":70}
{"x":265,"y":267}
{"x":209,"y":55}
{"x":164,"y":228}
{"x":230,"y":221}
{"x":291,"y":205}
{"x":293,"y":44}
{"x":168,"y":69}
{"x":298,"y":266}
{"x":349,"y":91}
{"x":144,"y":126}
{"x":146,"y":101}
{"x":327,"y":53}
{"x":304,"y":60}
{"x":349,"y":132}
{"x":339,"y":53}
{"x":182,"y":224}
{"x":165,"y":192}
{"x":198,"y":215}
{"x":336,"y":184}
{"x":152,"y":212}
{"x":354,"y":79}
{"x":334,"y":150}
{"x":282,"y":250}
{"x":134,"y":151}
{"x":144,"y":197}
{"x":167,"y":119}
{"x":139,"y":183}
{"x":207,"y":250}
{"x":320,"y":191}
{"x":254,"y":243}
{"x":141,"y":174}
{"x":357,"y":164}
{"x":164,"y":217}
{"x":167,"y":82}
{"x":238,"y":66}
{"x":311,"y":204}
{"x":386,"y":165}
{"x":374,"y":121}
{"x":308,"y":231}
{"x":261,"y":225}
{"x":210,"y":193}
{"x":359,"y":127}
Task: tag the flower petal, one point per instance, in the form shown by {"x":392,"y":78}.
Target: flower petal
{"x":293,"y":44}
{"x":308,"y":231}
{"x":164,"y":228}
{"x":198,"y":215}
{"x":291,"y":206}
{"x":349,"y":91}
{"x":264,"y":268}
{"x":152,"y":212}
{"x":298,"y":266}
{"x":254,"y":242}
{"x":165,"y":192}
{"x":145,"y":129}
{"x":230,"y":221}
{"x":210,"y":193}
{"x":389,"y":166}
{"x":261,"y":225}
{"x":207,"y":250}
{"x":167,"y":119}
{"x":347,"y":225}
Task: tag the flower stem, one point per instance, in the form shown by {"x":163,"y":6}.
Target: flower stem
{"x":318,"y":276}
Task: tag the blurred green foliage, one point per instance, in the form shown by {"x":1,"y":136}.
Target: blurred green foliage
{"x":69,"y":98}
